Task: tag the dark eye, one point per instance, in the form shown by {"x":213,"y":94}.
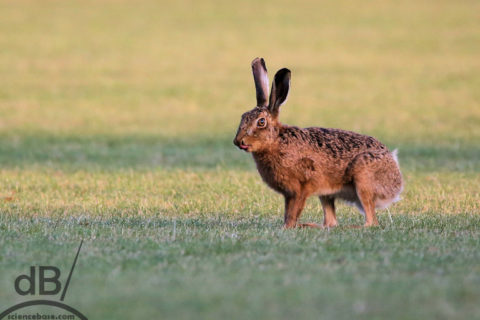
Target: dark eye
{"x":261,"y":122}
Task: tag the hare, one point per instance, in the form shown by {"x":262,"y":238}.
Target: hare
{"x":330,"y":163}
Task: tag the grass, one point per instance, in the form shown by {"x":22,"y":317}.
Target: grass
{"x":116,"y":127}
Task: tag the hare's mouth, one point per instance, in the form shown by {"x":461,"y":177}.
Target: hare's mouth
{"x":244,"y":146}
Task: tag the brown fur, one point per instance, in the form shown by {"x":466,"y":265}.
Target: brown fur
{"x":331,"y":163}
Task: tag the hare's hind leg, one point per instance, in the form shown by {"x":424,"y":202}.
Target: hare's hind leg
{"x":377,"y":181}
{"x":367,"y":200}
{"x":363,"y":170}
{"x":329,"y":217}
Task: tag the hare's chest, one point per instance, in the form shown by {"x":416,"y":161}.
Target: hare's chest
{"x":279,"y":174}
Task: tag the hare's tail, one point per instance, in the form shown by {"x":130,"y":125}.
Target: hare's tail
{"x":395,"y":156}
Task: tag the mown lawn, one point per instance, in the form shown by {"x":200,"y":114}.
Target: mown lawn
{"x":116,"y":127}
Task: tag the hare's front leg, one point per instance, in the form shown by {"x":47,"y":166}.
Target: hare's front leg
{"x":294,"y":205}
{"x":329,"y":217}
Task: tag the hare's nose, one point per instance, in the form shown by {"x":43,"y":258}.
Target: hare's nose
{"x":236,"y":142}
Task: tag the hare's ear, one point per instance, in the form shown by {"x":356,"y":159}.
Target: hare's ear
{"x":280,"y":88}
{"x":261,"y":81}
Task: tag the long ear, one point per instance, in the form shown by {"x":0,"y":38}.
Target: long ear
{"x":261,"y":81}
{"x":280,"y":89}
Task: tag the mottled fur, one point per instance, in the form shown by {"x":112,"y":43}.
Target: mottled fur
{"x":331,"y":163}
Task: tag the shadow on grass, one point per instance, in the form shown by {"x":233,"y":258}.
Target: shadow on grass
{"x":103,"y":152}
{"x":437,"y":222}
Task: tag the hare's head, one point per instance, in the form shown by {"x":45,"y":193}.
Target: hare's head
{"x":259,"y":127}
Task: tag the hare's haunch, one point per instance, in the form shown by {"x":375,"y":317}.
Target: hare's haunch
{"x":330,"y":163}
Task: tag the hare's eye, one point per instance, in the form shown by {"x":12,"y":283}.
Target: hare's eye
{"x":261,"y":122}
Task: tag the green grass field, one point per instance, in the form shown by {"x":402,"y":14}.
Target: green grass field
{"x":116,"y":127}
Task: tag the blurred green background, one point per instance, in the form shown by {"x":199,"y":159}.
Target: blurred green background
{"x":116,"y":124}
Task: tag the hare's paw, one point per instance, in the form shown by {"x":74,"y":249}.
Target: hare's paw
{"x":330,"y":224}
{"x":310,"y":225}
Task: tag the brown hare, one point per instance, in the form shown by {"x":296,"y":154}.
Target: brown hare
{"x":331,"y":163}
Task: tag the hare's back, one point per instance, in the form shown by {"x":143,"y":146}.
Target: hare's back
{"x":342,"y":143}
